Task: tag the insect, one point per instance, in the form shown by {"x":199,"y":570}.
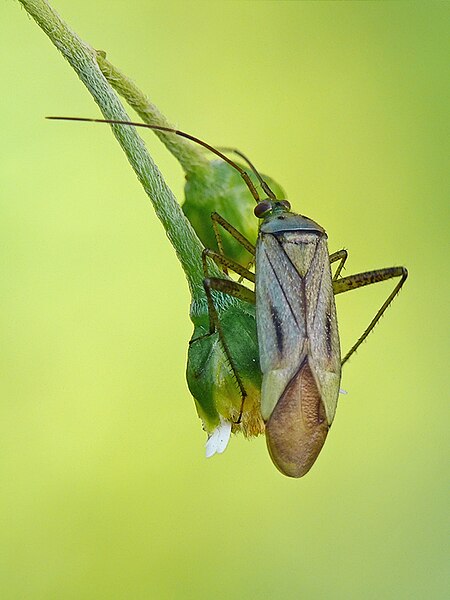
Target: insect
{"x":298,"y":339}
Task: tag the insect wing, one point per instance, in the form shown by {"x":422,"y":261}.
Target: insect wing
{"x":299,"y":346}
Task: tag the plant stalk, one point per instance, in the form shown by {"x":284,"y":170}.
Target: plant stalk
{"x":83,"y":60}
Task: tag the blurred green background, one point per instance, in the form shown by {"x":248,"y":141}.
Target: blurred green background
{"x":105,"y":491}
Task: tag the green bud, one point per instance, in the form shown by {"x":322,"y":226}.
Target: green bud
{"x":211,"y":379}
{"x":218,"y":187}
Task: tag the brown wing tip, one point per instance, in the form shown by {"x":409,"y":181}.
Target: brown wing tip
{"x":297,"y":427}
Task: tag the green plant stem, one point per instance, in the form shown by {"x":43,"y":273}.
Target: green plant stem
{"x":83,"y":59}
{"x":190,"y":157}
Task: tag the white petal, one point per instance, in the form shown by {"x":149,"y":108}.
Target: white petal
{"x":211,"y":444}
{"x":218,"y":440}
{"x":224,"y":436}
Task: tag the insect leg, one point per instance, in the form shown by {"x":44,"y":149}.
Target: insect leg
{"x":227,"y":286}
{"x":361,"y":279}
{"x":231,"y":288}
{"x":218,"y":220}
{"x":215,"y":226}
{"x":228,"y":263}
{"x":239,"y":291}
{"x":340,"y":255}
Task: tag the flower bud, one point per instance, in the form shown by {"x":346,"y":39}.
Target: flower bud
{"x":211,"y":378}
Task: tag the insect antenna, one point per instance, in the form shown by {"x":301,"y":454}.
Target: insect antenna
{"x":264,"y":184}
{"x":188,"y":136}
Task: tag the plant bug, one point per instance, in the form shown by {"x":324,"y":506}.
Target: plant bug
{"x":298,"y":339}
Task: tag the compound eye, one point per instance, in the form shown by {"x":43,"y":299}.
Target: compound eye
{"x":262,"y":208}
{"x":286,"y":204}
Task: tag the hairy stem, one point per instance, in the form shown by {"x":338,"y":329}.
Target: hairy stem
{"x":190,"y":157}
{"x":83,"y":60}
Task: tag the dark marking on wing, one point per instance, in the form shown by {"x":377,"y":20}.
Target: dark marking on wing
{"x":328,"y":332}
{"x":278,"y":328}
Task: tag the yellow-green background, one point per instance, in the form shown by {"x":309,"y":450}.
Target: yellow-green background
{"x":104,"y":488}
